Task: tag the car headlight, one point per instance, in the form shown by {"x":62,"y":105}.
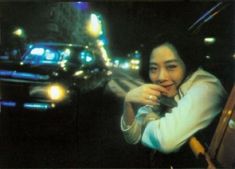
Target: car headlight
{"x":56,"y":92}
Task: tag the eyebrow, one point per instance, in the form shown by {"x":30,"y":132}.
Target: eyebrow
{"x":168,"y":61}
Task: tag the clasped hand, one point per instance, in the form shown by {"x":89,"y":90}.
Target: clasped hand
{"x":146,"y":94}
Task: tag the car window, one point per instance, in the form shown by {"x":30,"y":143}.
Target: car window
{"x":39,"y":55}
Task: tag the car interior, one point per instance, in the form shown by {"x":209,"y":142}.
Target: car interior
{"x":219,"y":152}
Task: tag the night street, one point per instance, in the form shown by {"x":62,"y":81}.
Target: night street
{"x":66,"y":68}
{"x":98,"y":143}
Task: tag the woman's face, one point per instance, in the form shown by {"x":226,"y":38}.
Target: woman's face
{"x":166,"y":68}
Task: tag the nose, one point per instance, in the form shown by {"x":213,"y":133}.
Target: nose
{"x":163,"y":75}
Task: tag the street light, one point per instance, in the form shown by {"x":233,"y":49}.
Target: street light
{"x":18,"y":32}
{"x":209,"y":40}
{"x":94,"y":26}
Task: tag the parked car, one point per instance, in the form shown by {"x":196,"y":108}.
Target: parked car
{"x":46,"y":84}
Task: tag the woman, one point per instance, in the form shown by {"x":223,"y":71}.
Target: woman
{"x":163,"y":125}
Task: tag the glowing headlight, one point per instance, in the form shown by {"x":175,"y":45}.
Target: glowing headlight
{"x":56,"y":92}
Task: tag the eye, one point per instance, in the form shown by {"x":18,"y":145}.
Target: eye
{"x":153,"y":69}
{"x":171,"y":67}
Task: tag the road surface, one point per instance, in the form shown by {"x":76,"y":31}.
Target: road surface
{"x":97,"y":141}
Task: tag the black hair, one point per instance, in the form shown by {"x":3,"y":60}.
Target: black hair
{"x":189,"y":49}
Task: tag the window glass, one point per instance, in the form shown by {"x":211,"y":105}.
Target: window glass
{"x":42,"y":56}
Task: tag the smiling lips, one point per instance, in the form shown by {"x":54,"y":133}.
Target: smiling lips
{"x":168,"y":87}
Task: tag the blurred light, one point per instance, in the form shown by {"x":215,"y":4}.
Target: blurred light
{"x":18,"y":32}
{"x":83,"y":6}
{"x":83,"y":54}
{"x":116,"y":61}
{"x":8,"y":103}
{"x":209,"y":40}
{"x":56,"y":92}
{"x":135,"y":61}
{"x":36,"y":91}
{"x":67,"y":51}
{"x":208,"y":57}
{"x":49,"y":55}
{"x":134,"y":64}
{"x":105,"y":55}
{"x":30,"y":46}
{"x":78,"y":73}
{"x":109,"y":63}
{"x":135,"y":67}
{"x":37,"y":51}
{"x":125,"y":65}
{"x":29,"y":76}
{"x":5,"y":72}
{"x":88,"y":58}
{"x":55,"y":73}
{"x":23,"y":75}
{"x":63,"y":64}
{"x":137,"y":55}
{"x":103,"y":39}
{"x":234,"y":56}
{"x":109,"y":73}
{"x":53,"y":105}
{"x":94,"y":26}
{"x":36,"y":105}
{"x":26,"y":75}
{"x":100,"y":43}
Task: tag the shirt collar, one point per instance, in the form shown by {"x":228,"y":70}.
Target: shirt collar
{"x":188,"y":82}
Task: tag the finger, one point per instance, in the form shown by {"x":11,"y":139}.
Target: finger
{"x":158,"y":88}
{"x":154,"y":92}
{"x":150,"y":102}
{"x":152,"y":99}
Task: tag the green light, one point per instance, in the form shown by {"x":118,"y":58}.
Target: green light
{"x":209,"y":40}
{"x":67,"y":51}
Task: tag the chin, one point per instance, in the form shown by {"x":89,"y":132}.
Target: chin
{"x":171,"y":93}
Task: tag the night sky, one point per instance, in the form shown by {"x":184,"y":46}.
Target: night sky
{"x":131,"y":24}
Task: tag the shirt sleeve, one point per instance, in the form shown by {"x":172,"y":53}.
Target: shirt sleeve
{"x":131,"y":133}
{"x":195,"y":111}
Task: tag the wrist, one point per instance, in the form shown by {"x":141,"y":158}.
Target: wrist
{"x":126,"y":100}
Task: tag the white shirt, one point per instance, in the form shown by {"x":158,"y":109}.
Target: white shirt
{"x":200,"y":99}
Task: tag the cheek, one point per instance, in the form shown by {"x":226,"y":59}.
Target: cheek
{"x":179,"y":76}
{"x":152,"y":77}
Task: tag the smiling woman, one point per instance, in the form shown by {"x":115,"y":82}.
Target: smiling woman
{"x":198,"y":94}
{"x":166,"y":68}
{"x":180,"y":46}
